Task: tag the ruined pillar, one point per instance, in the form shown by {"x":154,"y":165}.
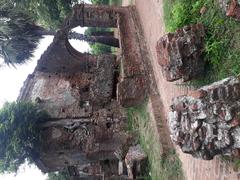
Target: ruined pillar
{"x":207,"y":122}
{"x":180,"y":53}
{"x":87,"y":15}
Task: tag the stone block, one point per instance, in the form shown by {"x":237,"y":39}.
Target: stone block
{"x":180,"y":53}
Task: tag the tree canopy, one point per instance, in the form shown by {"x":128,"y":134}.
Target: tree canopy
{"x":47,"y":13}
{"x":19,"y":134}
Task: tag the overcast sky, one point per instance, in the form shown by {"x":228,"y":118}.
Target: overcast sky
{"x":11,"y":80}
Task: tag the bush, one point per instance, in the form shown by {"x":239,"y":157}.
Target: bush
{"x":222,"y":41}
{"x":19,"y":134}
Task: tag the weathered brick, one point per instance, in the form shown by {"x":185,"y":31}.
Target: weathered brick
{"x":179,"y":53}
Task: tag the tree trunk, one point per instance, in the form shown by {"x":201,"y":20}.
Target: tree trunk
{"x":102,"y":33}
{"x":107,"y":40}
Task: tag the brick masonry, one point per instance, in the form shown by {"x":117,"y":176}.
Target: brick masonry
{"x":180,"y":53}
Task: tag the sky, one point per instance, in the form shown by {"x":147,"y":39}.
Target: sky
{"x":11,"y":80}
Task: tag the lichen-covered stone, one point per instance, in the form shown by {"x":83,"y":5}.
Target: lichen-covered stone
{"x":208,"y":125}
{"x":180,"y":53}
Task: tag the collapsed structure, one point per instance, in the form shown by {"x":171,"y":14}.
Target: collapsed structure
{"x":84,"y":95}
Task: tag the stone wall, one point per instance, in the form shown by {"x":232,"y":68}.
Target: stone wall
{"x":180,"y":53}
{"x":206,"y":122}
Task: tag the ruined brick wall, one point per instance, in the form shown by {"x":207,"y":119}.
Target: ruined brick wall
{"x":133,"y":87}
{"x":180,"y":53}
{"x":80,"y":141}
{"x":206,"y":123}
{"x":93,"y":16}
{"x":78,"y":91}
{"x":71,"y":94}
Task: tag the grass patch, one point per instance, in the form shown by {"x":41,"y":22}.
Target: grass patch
{"x":160,"y":168}
{"x":222,"y":41}
{"x":115,"y":2}
{"x":231,"y":161}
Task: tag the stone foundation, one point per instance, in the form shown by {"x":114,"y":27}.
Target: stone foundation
{"x":180,"y":53}
{"x":206,"y":123}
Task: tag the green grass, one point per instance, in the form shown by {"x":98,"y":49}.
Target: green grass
{"x":115,"y":2}
{"x":234,"y":162}
{"x":222,"y":41}
{"x":160,"y":168}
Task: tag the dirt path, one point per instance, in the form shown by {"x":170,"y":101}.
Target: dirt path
{"x":151,"y":15}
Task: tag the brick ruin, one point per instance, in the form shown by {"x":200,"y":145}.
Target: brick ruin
{"x":180,"y":53}
{"x":206,"y":122}
{"x":85,"y":95}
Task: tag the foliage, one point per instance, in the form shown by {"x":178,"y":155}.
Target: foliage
{"x":100,"y":2}
{"x":98,"y":48}
{"x":19,"y":134}
{"x":18,"y":34}
{"x":115,"y":2}
{"x":160,"y":168}
{"x":222,"y":41}
{"x":49,"y":13}
{"x":58,"y":176}
{"x":234,"y":162}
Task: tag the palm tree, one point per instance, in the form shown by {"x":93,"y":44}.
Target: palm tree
{"x":19,"y":35}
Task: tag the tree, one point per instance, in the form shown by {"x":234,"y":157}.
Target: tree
{"x":48,"y":13}
{"x":98,"y":48}
{"x":100,"y":2}
{"x":19,"y":134}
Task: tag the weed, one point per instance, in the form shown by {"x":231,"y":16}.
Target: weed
{"x":222,"y":42}
{"x":160,"y":168}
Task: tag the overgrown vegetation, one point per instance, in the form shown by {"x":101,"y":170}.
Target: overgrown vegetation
{"x":97,"y":48}
{"x":222,"y":42}
{"x":19,"y":134}
{"x":232,"y":161}
{"x":160,"y":168}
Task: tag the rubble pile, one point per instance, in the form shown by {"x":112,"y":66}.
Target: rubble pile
{"x":206,"y":123}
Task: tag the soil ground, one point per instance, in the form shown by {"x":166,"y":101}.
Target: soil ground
{"x":151,"y":16}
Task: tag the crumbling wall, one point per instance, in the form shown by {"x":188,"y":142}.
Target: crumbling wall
{"x":180,"y":53}
{"x":93,"y":16}
{"x":93,"y":139}
{"x":133,"y":82}
{"x":70,"y":94}
{"x":206,"y":122}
